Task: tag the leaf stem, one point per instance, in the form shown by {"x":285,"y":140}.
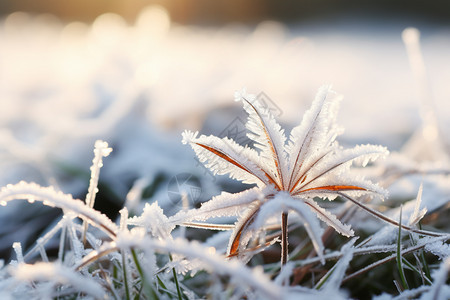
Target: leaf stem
{"x":284,"y":239}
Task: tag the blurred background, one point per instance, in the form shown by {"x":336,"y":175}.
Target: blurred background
{"x":203,"y":12}
{"x":137,"y":73}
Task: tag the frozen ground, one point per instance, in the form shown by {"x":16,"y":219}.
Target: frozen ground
{"x":138,"y":86}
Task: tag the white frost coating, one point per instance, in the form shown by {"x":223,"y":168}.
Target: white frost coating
{"x":295,"y":293}
{"x":212,"y":262}
{"x":439,"y":290}
{"x":225,"y":204}
{"x":311,"y":164}
{"x":188,"y":136}
{"x":331,"y":170}
{"x":405,"y":295}
{"x":432,"y":200}
{"x":76,"y":244}
{"x":244,"y":161}
{"x":53,"y":198}
{"x":268,"y":136}
{"x":19,"y":254}
{"x":311,"y":135}
{"x":154,"y":221}
{"x":439,"y":248}
{"x":55,"y":272}
{"x":40,"y":243}
{"x":334,"y":281}
{"x":101,"y":150}
{"x":284,"y":202}
{"x":106,"y":248}
{"x":239,"y":94}
{"x":283,"y":279}
{"x":244,"y":227}
{"x":329,"y":219}
{"x":123,"y":219}
{"x":418,"y":213}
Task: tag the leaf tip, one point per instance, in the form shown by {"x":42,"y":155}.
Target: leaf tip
{"x":241,"y":94}
{"x":188,"y":136}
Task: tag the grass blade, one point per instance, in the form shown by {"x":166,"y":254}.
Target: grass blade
{"x":175,"y":278}
{"x":125,"y":276}
{"x":145,"y":282}
{"x":399,"y":254}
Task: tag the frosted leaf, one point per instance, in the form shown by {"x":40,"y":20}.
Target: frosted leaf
{"x":331,"y":171}
{"x":439,"y":290}
{"x":329,"y":218}
{"x":311,"y":164}
{"x":225,"y":204}
{"x":49,"y":196}
{"x":212,"y":262}
{"x":243,"y":231}
{"x":224,"y":156}
{"x":314,"y":136}
{"x":188,"y":136}
{"x":57,"y":273}
{"x":327,"y":188}
{"x":418,"y":213}
{"x":268,"y":136}
{"x":337,"y":273}
{"x":239,"y":95}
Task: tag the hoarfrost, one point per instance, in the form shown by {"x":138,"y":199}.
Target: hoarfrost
{"x":55,"y":273}
{"x":439,"y":248}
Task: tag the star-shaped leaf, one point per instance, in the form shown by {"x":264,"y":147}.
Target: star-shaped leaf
{"x":289,"y":174}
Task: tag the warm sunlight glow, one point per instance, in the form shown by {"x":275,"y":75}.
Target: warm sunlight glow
{"x":153,"y":20}
{"x":430,"y":133}
{"x":109,"y":30}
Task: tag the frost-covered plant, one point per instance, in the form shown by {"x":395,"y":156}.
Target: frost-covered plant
{"x":139,"y":258}
{"x":288,"y":174}
{"x":146,"y":257}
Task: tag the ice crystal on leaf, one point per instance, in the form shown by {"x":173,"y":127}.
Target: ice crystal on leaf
{"x":289,"y":173}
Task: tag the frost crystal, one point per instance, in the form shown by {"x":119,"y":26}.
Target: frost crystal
{"x":439,"y":248}
{"x":55,"y":272}
{"x":48,"y":196}
{"x":154,"y":221}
